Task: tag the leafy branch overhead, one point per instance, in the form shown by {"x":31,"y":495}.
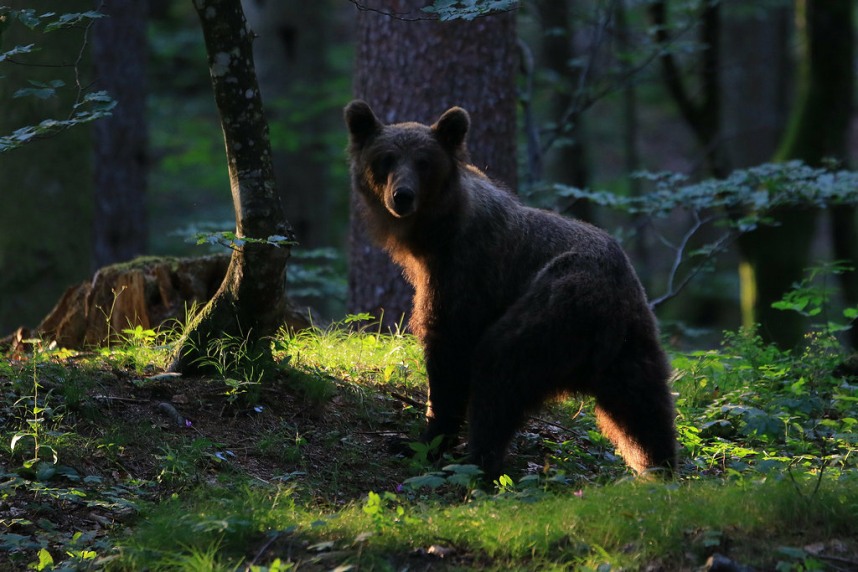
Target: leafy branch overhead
{"x":755,"y":192}
{"x":447,"y":10}
{"x":87,"y":106}
{"x":736,"y":205}
{"x":468,"y":9}
{"x":232,"y":241}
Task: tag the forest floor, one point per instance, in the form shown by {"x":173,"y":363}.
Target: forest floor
{"x":99,"y":450}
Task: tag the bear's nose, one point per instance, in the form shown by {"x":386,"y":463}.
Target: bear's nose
{"x":403,"y":200}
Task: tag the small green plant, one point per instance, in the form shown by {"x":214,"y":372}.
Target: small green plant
{"x":386,"y":510}
{"x":142,"y":348}
{"x":234,"y":361}
{"x":183,"y":464}
{"x":35,"y":418}
{"x":812,"y":298}
{"x":108,"y":316}
{"x":424,"y":452}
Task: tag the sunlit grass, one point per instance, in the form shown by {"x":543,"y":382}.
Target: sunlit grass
{"x":625,"y":525}
{"x":367,"y":355}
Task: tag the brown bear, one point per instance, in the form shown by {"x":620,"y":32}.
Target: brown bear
{"x":513,"y":305}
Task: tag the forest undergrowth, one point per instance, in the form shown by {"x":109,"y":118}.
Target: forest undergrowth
{"x":109,"y":462}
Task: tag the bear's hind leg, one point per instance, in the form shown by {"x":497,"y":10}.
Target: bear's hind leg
{"x":636,"y":413}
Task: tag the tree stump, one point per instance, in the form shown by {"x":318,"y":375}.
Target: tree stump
{"x":150,"y":292}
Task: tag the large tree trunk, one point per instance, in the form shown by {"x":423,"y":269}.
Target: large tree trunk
{"x":251,"y":302}
{"x":119,"y":51}
{"x":818,"y":130}
{"x":411,"y":69}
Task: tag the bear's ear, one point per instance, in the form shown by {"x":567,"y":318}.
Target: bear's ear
{"x":361,"y":121}
{"x":451,"y":128}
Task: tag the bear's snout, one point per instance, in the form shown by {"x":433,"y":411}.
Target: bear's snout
{"x":404,"y":202}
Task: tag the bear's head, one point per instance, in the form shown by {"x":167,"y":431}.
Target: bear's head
{"x":403,"y":166}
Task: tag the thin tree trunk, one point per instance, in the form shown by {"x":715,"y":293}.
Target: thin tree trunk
{"x":412,"y":69}
{"x":568,"y":162}
{"x":119,"y":50}
{"x":251,"y":303}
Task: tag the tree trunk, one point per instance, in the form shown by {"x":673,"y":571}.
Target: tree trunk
{"x":567,"y":163}
{"x":119,"y":49}
{"x":251,"y":303}
{"x":409,"y":68}
{"x":818,"y":130}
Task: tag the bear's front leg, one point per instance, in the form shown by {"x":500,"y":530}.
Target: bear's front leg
{"x":449,"y":388}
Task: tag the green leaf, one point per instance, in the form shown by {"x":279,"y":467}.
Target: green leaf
{"x":45,"y":560}
{"x":430,"y":480}
{"x":27,"y":17}
{"x":72,"y":19}
{"x":17,"y":50}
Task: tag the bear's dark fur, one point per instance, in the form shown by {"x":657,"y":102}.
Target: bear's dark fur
{"x":513,"y":305}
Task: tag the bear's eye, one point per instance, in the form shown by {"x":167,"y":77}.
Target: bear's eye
{"x":385,"y":163}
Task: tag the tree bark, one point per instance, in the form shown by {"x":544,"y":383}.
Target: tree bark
{"x":251,"y":302}
{"x":412,"y":68}
{"x":119,"y":50}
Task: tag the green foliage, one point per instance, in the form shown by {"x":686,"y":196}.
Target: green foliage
{"x":183,"y":465}
{"x":317,"y":273}
{"x":751,"y":407}
{"x":87,"y":106}
{"x":385,"y":511}
{"x":468,"y":9}
{"x":812,"y":298}
{"x":755,"y":192}
{"x":767,"y":466}
{"x":36,"y":413}
{"x":234,"y":242}
{"x":723,"y":209}
{"x":626,"y":525}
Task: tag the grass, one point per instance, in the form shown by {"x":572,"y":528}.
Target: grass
{"x":294,"y":473}
{"x":627,"y":525}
